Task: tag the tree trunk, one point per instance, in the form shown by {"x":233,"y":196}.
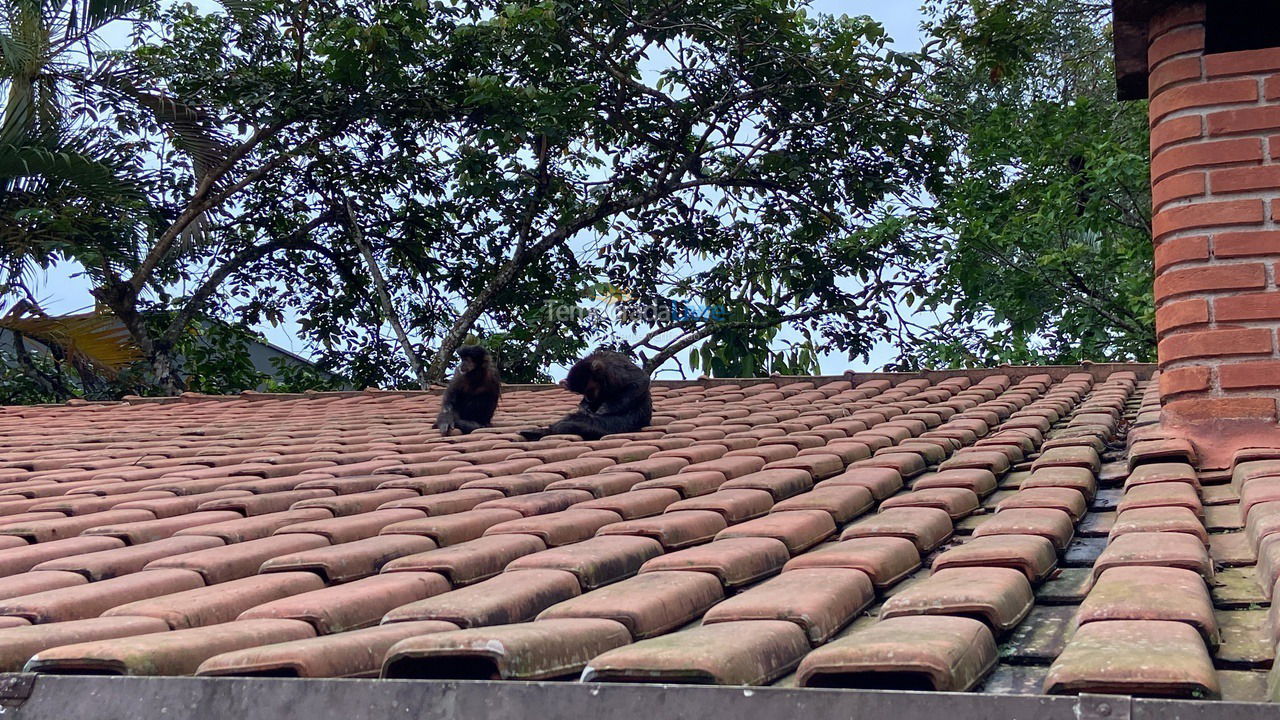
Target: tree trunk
{"x":121,"y":300}
{"x":384,"y":297}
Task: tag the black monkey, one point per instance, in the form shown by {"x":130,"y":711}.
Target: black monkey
{"x":615,"y":398}
{"x":472,"y":395}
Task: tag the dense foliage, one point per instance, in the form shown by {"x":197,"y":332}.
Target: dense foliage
{"x":398,"y":177}
{"x":1041,"y":230}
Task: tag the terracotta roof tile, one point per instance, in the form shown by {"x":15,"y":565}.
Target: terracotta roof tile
{"x":38,"y":581}
{"x":232,"y":562}
{"x":1117,"y":656}
{"x":354,"y":654}
{"x":353,"y":605}
{"x":937,"y":653}
{"x":471,"y":561}
{"x":165,"y":653}
{"x":674,"y":530}
{"x":735,"y":562}
{"x":453,"y":528}
{"x":541,"y":650}
{"x":512,"y":597}
{"x":81,"y":602}
{"x":219,"y":603}
{"x":819,"y":601}
{"x":18,"y":645}
{"x":757,"y":464}
{"x":730,"y":653}
{"x":595,"y":562}
{"x":256,"y":527}
{"x":1000,"y":597}
{"x":649,"y":604}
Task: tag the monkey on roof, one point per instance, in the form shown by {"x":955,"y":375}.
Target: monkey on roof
{"x":472,"y":395}
{"x":615,"y":398}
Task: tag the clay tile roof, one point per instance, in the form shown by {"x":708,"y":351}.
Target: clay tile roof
{"x":939,"y":530}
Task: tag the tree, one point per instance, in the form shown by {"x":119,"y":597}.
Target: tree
{"x":495,"y":159}
{"x":1039,"y":238}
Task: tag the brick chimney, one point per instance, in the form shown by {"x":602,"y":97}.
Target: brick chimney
{"x":1212,"y":72}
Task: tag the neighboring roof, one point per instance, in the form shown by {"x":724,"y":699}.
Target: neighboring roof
{"x":1129,"y":30}
{"x":938,"y":531}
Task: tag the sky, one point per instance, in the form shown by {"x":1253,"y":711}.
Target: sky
{"x":61,"y":291}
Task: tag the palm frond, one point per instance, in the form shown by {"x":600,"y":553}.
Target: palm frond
{"x":16,"y":53}
{"x":248,"y":13}
{"x":98,"y":339}
{"x":195,"y":129}
{"x":85,"y":17}
{"x":66,"y":163}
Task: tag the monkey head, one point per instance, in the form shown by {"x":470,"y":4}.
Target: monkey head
{"x":472,"y":358}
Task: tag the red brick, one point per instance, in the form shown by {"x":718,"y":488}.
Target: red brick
{"x":1175,"y":42}
{"x":1178,"y":187}
{"x":1220,"y":92}
{"x":1174,"y":17}
{"x":1208,"y":409}
{"x":1244,"y":62}
{"x":1184,"y":380}
{"x":1174,"y":71}
{"x":1244,"y":120}
{"x":1211,"y":278}
{"x":1247,"y":308}
{"x":1183,"y":313}
{"x":1246,"y":179}
{"x":1244,"y":244}
{"x":1176,"y":130}
{"x":1205,"y":154}
{"x":1206,"y":215}
{"x":1183,"y":249}
{"x":1271,"y":88}
{"x":1215,"y":343}
{"x":1250,"y":375}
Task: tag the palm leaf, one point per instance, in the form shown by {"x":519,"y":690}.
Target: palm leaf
{"x":195,"y":128}
{"x":98,"y":339}
{"x":87,"y":16}
{"x":67,"y":164}
{"x":15,"y":52}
